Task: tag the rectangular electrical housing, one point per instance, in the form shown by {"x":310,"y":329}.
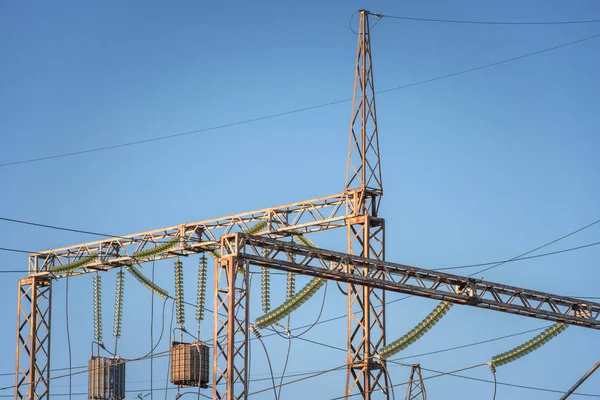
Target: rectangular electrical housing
{"x":106,"y":378}
{"x":190,"y":364}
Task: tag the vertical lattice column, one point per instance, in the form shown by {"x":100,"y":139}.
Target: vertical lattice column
{"x":232,"y":306}
{"x":366,"y":307}
{"x":32,"y":371}
{"x":416,"y":387}
{"x":366,"y":313}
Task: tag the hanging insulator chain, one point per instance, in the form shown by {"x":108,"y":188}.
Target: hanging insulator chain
{"x":201,"y":289}
{"x":179,"y":306}
{"x":119,"y":304}
{"x":291,"y":285}
{"x":266,"y":287}
{"x":98,"y":308}
{"x":291,"y":279}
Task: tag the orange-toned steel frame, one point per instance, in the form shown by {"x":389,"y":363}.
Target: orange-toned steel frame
{"x":363,"y":268}
{"x":416,"y":387}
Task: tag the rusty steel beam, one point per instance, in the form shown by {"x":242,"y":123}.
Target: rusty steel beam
{"x":399,"y":278}
{"x":302,"y":217}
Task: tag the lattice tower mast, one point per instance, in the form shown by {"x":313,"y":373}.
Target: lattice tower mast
{"x":366,"y":306}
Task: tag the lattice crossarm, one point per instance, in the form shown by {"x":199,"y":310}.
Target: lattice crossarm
{"x":420,"y":282}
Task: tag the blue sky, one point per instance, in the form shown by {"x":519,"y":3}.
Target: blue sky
{"x":478,"y":167}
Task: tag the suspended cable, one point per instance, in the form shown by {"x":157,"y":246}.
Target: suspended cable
{"x":540,"y":247}
{"x":474,"y":22}
{"x":295,"y":111}
{"x":426,"y":378}
{"x":493,"y":369}
{"x":499,"y":263}
{"x":318,"y":316}
{"x":539,"y":389}
{"x":18,"y":221}
{"x":287,"y":357}
{"x":258,"y":336}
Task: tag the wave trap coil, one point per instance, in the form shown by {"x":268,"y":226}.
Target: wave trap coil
{"x":106,"y":378}
{"x":190,"y":364}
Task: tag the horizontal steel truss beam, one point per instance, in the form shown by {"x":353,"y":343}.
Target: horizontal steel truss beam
{"x":412,"y":280}
{"x":303,"y":217}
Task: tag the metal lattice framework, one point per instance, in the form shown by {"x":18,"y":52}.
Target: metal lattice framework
{"x":399,"y":278}
{"x":363,"y":268}
{"x":32,"y":372}
{"x":416,"y":387}
{"x":302,"y":217}
{"x":366,"y":233}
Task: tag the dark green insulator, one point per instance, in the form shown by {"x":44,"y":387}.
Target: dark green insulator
{"x":97,"y":307}
{"x":179,"y":297}
{"x":201,"y":295}
{"x":119,"y":303}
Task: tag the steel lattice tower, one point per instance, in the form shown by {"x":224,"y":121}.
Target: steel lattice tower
{"x":363,"y":268}
{"x":366,"y":238}
{"x":416,"y":387}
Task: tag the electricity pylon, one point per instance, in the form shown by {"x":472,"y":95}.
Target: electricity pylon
{"x":366,"y":231}
{"x":363,"y":268}
{"x":416,"y":387}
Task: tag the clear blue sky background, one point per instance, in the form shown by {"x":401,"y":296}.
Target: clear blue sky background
{"x":478,"y":167}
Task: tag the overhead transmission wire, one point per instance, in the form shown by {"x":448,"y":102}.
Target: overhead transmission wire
{"x":478,"y":22}
{"x":395,"y":361}
{"x":164,"y":353}
{"x":121,"y":361}
{"x":539,"y":247}
{"x":540,"y":389}
{"x":295,"y":111}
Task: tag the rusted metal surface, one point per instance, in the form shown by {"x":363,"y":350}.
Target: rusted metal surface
{"x":32,"y":371}
{"x":366,"y":232}
{"x":415,"y":281}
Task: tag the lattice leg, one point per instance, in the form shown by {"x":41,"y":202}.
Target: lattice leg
{"x":230,"y":355}
{"x":32,"y":373}
{"x":366,"y":314}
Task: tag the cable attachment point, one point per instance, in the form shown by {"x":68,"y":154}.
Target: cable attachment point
{"x":492,"y":366}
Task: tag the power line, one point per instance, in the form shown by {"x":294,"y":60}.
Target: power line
{"x":341,"y":349}
{"x":540,"y":247}
{"x":60,"y":228}
{"x":440,"y":374}
{"x":498,"y":263}
{"x":540,"y":389}
{"x":17,"y":251}
{"x":474,"y":22}
{"x":295,"y":111}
